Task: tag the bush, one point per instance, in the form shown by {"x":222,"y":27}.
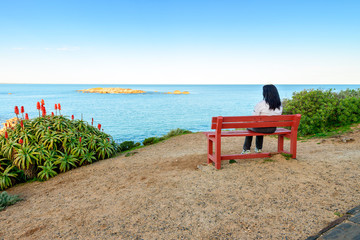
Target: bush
{"x":324,"y":110}
{"x":151,"y":140}
{"x":7,"y":200}
{"x":172,"y":133}
{"x":45,"y":146}
{"x":176,"y":132}
{"x":127,"y":145}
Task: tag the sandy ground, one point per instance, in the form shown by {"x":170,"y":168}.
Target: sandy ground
{"x":160,"y":193}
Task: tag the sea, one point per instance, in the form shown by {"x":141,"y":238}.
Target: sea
{"x":134,"y":117}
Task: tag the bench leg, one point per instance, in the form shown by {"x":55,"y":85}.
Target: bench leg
{"x":280,"y":143}
{"x":293,"y":142}
{"x":210,"y":150}
{"x":218,"y":153}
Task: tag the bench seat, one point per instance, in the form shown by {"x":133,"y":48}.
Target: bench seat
{"x":220,"y":123}
{"x":244,"y":133}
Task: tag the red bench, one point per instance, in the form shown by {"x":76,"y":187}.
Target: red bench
{"x":219,"y":123}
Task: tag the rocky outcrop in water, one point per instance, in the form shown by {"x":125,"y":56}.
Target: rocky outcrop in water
{"x":111,"y":90}
{"x":123,"y":90}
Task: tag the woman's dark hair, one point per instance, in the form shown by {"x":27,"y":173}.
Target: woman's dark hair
{"x":271,"y":96}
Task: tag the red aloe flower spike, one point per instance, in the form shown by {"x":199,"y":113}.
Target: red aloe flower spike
{"x":92,"y":121}
{"x":43,"y":109}
{"x":42,"y":102}
{"x":56,"y":108}
{"x":99,"y":126}
{"x":21,"y":141}
{"x":72,"y":117}
{"x":80,"y":139}
{"x":26,"y":116}
{"x":21,"y":124}
{"x":59,"y":107}
{"x":16,"y":110}
{"x":22,"y":111}
{"x":38,"y":107}
{"x":52,"y":113}
{"x":6,"y":135}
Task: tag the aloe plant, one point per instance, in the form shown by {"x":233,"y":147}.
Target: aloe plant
{"x":87,"y":158}
{"x":80,"y":125}
{"x":48,"y":171}
{"x":71,"y":143}
{"x":27,"y":136}
{"x":6,"y":177}
{"x":104,"y":149}
{"x":41,"y":130}
{"x":52,"y":156}
{"x":66,"y":162}
{"x":2,"y":140}
{"x":46,"y":145}
{"x":41,"y":152}
{"x":91,"y":141}
{"x":79,"y":150}
{"x":60,"y":123}
{"x":8,"y":149}
{"x":25,"y":156}
{"x":51,"y":139}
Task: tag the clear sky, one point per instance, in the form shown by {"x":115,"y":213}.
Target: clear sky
{"x":180,"y":41}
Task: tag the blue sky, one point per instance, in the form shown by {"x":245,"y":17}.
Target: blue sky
{"x":173,"y":42}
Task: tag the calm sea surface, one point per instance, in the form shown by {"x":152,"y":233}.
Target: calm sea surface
{"x":138,"y":116}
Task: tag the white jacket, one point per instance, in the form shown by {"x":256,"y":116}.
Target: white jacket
{"x":262,"y":108}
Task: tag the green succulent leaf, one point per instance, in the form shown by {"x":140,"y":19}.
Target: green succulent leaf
{"x":25,"y":157}
{"x":66,"y":162}
{"x":47,"y":171}
{"x":6,"y":177}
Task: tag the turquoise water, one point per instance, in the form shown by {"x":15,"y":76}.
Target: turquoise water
{"x":138,"y":116}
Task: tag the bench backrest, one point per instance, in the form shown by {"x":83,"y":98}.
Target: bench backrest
{"x":220,"y":122}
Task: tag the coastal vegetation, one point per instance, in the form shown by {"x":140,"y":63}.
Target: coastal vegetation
{"x":7,"y":200}
{"x":42,"y":147}
{"x":324,"y":110}
{"x":130,"y":145}
{"x":172,"y":133}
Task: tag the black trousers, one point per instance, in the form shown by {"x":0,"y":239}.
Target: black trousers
{"x":259,"y":139}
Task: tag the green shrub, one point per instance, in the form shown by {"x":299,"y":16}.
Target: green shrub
{"x":151,"y":140}
{"x":45,"y":146}
{"x":172,"y":133}
{"x":7,"y":200}
{"x":349,"y":93}
{"x":7,"y":177}
{"x":323,"y":110}
{"x":127,"y":145}
{"x":348,"y":110}
{"x":176,"y":132}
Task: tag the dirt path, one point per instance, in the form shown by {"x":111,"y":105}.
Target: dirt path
{"x":159,"y":193}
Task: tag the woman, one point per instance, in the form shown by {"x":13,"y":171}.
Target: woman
{"x":271,"y":105}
